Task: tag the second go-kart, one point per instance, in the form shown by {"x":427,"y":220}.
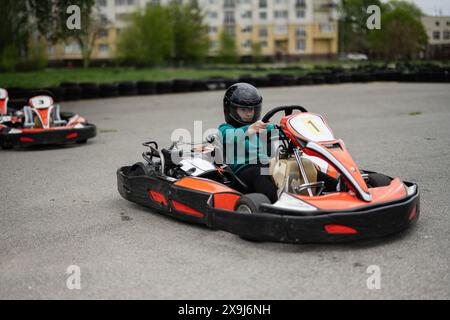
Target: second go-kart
{"x":198,"y":189}
{"x":41,"y":123}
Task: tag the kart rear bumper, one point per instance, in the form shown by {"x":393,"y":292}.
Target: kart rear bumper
{"x":45,"y":136}
{"x":373,"y":222}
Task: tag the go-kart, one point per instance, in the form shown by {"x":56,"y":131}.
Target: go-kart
{"x":198,"y":189}
{"x":41,"y":123}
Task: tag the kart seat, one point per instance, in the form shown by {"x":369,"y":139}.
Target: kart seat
{"x":28,"y":118}
{"x":56,"y":117}
{"x":286,"y":174}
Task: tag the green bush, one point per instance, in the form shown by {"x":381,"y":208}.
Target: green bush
{"x":9,"y":58}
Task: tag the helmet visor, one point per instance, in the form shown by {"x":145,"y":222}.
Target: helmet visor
{"x":246,"y":114}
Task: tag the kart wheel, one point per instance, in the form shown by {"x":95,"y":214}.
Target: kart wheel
{"x":250,"y":203}
{"x":138,"y":169}
{"x":7,"y":147}
{"x":378,"y":180}
{"x":82,"y":141}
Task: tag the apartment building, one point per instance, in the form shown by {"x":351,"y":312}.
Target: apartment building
{"x":283,"y":28}
{"x":438,"y":31}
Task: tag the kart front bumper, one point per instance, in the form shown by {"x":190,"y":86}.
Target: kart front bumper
{"x":372,"y":222}
{"x":46,"y":137}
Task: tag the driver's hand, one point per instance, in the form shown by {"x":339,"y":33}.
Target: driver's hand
{"x":257,"y":127}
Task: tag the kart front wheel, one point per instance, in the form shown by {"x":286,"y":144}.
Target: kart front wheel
{"x":250,"y":203}
{"x":378,"y":180}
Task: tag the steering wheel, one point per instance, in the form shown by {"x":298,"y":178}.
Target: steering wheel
{"x":287,"y":111}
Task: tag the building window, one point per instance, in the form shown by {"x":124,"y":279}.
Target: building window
{"x":124,"y":17}
{"x":263,"y":3}
{"x":263,"y":15}
{"x":212,"y":29}
{"x":211,"y":14}
{"x":246,"y":44}
{"x":436,"y":35}
{"x":263,"y":44}
{"x":228,"y":3}
{"x":263,"y":32}
{"x":300,"y":4}
{"x":247,"y":15}
{"x":325,"y":27}
{"x":280,"y":14}
{"x":281,"y":29}
{"x":300,"y":13}
{"x":102,"y":3}
{"x":300,"y":32}
{"x":230,"y":30}
{"x":103,"y":33}
{"x":446,"y":35}
{"x":229,"y":17}
{"x":247,"y":29}
{"x":213,"y":45}
{"x":103,"y":48}
{"x":72,"y":48}
{"x":120,"y":2}
{"x":301,"y":45}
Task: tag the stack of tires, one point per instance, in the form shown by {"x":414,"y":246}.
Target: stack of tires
{"x":73,"y":91}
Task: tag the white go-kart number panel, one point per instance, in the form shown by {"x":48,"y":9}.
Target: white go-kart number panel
{"x":41,"y":102}
{"x":312,"y":127}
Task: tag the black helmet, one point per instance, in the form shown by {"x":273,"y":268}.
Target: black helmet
{"x":241,"y":95}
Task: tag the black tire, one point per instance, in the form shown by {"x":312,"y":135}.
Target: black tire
{"x":65,"y":115}
{"x":138,"y":169}
{"x":108,"y":90}
{"x":72,"y":92}
{"x":182,"y":85}
{"x":378,"y":180}
{"x":146,"y":87}
{"x":89,"y":90}
{"x":251,"y":202}
{"x":127,"y":88}
{"x":17,"y":104}
{"x":57,"y":93}
{"x":199,"y":85}
{"x":164,"y":87}
{"x":7,"y":147}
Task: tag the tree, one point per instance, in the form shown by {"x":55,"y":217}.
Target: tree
{"x":149,"y":37}
{"x":353,"y":25}
{"x":51,"y":17}
{"x":402,"y":36}
{"x":14,"y":33}
{"x":228,"y":52}
{"x":191,"y":41}
{"x":257,"y":53}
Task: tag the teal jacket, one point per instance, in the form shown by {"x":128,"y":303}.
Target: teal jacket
{"x":241,"y":149}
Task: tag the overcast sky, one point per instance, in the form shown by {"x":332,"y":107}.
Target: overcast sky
{"x":433,"y":7}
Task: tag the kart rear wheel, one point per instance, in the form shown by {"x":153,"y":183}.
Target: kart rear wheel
{"x":378,"y":180}
{"x":82,"y":141}
{"x":250,"y":203}
{"x":139,"y":169}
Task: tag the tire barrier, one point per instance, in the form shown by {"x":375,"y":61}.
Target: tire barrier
{"x":127,"y":88}
{"x":58,"y":93}
{"x":108,"y":90}
{"x":72,"y":91}
{"x":199,"y":85}
{"x":182,"y":85}
{"x":89,"y":90}
{"x":164,"y":87}
{"x":406,"y":72}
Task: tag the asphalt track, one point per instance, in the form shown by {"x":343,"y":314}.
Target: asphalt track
{"x":60,"y":207}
